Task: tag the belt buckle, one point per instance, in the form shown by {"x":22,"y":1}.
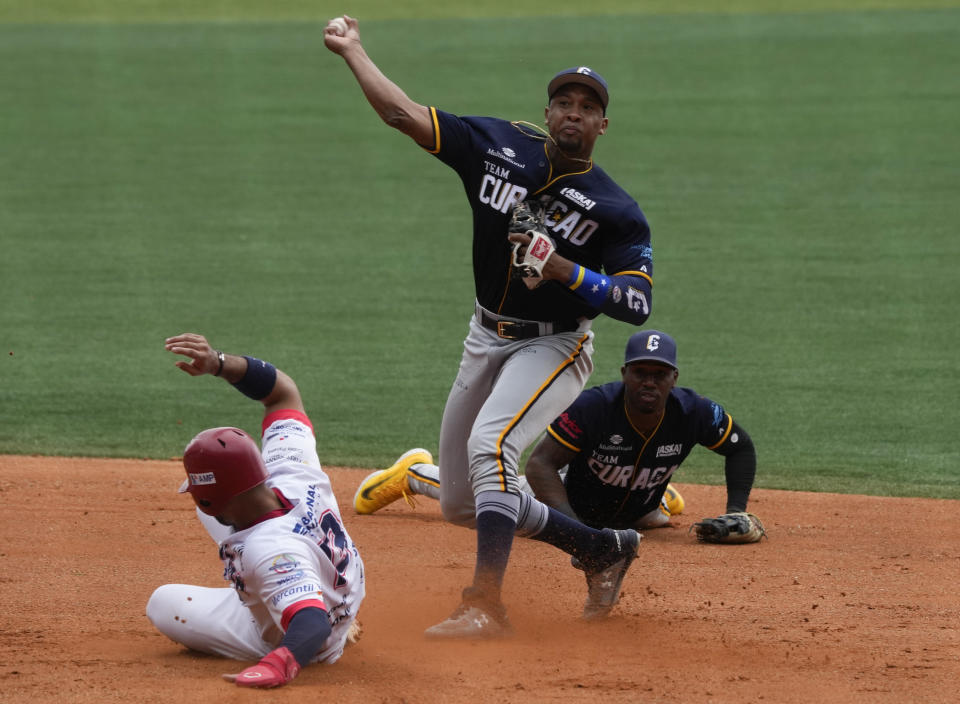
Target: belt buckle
{"x":501,"y":330}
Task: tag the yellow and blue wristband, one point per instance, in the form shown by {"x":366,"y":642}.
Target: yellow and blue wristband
{"x":589,"y":285}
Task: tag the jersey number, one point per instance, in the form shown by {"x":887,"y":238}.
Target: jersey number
{"x":334,"y":545}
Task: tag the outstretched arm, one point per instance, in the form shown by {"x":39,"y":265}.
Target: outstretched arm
{"x":391,"y":103}
{"x":251,"y":376}
{"x":740,"y":467}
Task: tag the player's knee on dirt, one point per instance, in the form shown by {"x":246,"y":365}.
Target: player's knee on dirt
{"x":174,"y":611}
{"x":168,"y":611}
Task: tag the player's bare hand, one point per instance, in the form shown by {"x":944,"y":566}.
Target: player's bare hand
{"x":340,"y":32}
{"x":204,"y":359}
{"x":519,"y":237}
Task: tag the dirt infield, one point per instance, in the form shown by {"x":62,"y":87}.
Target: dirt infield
{"x":852,"y":599}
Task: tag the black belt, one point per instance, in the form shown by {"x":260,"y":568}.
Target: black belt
{"x":522,"y":329}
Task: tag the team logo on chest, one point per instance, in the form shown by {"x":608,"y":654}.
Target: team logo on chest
{"x":578,"y":198}
{"x":669,"y":450}
{"x":615,"y":444}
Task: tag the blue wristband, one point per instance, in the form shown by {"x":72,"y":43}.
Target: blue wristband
{"x":259,"y":379}
{"x":589,"y":285}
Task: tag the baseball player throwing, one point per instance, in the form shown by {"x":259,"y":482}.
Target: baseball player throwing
{"x":297,"y":578}
{"x":548,"y":223}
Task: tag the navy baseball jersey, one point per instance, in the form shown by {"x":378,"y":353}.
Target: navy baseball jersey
{"x":619,"y":475}
{"x":593,"y":221}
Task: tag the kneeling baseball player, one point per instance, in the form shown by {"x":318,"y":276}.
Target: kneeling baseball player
{"x":297,"y":576}
{"x":607,"y":460}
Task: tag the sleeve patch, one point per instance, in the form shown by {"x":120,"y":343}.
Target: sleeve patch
{"x":723,"y":429}
{"x":285,"y":414}
{"x":569,"y":426}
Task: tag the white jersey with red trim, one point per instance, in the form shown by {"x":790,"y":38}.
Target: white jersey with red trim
{"x":303,"y":557}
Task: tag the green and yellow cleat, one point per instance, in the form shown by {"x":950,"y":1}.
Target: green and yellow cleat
{"x":385,"y":486}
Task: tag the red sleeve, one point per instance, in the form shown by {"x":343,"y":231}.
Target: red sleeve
{"x":293,"y":609}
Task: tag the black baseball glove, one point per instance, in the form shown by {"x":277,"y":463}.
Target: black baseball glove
{"x":528,"y":215}
{"x":740,"y":527}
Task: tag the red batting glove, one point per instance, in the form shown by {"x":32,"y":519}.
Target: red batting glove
{"x":274,"y":670}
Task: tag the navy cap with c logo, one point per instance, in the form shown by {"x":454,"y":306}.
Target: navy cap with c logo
{"x":651,"y":346}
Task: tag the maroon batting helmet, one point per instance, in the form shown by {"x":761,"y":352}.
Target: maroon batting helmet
{"x":221,"y":463}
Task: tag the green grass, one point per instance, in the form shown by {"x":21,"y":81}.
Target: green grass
{"x":310,"y":10}
{"x":798,"y":169}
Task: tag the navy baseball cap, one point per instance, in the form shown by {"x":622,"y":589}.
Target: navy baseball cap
{"x":583,"y":75}
{"x":651,"y":346}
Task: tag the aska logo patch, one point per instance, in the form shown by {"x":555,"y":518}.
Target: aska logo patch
{"x":669,"y":450}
